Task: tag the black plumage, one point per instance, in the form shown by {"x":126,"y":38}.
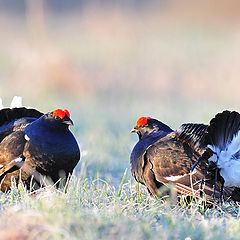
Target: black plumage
{"x":222,"y":153}
{"x":33,"y":145}
{"x":222,"y":128}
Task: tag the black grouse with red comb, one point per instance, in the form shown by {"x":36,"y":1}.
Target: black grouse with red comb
{"x":163,"y":156}
{"x":33,"y":145}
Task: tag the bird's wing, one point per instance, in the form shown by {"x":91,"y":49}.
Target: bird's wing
{"x":19,"y":163}
{"x":170,"y":158}
{"x":11,"y":151}
{"x":169,"y":161}
{"x":13,"y":156}
{"x":193,"y":134}
{"x":11,"y":167}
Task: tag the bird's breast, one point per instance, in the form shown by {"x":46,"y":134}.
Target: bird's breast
{"x":52,"y":142}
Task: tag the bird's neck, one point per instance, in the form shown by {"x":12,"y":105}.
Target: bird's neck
{"x":157,"y":132}
{"x":161,"y":127}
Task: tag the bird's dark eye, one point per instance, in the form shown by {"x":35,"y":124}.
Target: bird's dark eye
{"x":142,"y":125}
{"x":57,"y":117}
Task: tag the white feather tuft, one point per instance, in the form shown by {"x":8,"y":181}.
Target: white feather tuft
{"x":231,"y":173}
{"x":19,"y":159}
{"x":1,"y":104}
{"x":228,"y":164}
{"x":234,"y":145}
{"x":26,"y":137}
{"x":175,"y":178}
{"x":16,"y":102}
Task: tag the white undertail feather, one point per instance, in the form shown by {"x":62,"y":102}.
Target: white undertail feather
{"x":228,"y":164}
{"x":1,"y":104}
{"x":234,"y":146}
{"x":16,"y":102}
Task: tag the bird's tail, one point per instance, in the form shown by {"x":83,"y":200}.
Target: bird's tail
{"x":9,"y":114}
{"x":223,"y":134}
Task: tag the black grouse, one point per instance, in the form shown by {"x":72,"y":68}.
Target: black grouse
{"x":34,"y":145}
{"x":163,"y":156}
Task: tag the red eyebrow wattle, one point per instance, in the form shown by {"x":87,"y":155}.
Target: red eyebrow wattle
{"x":67,"y":112}
{"x":61,"y":113}
{"x":142,"y":121}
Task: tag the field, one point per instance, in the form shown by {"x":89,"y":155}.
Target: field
{"x":108,"y":65}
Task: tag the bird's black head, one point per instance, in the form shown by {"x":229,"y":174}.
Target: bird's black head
{"x":58,"y":118}
{"x":146,"y":125}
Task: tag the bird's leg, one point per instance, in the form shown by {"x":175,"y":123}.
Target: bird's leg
{"x":215,"y":184}
{"x":196,"y":163}
{"x":201,"y":184}
{"x":221,"y":191}
{"x":212,"y":167}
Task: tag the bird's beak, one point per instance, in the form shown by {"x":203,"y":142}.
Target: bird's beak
{"x":68,"y":122}
{"x":134,"y":130}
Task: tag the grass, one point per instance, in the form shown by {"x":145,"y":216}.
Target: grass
{"x":97,"y":210}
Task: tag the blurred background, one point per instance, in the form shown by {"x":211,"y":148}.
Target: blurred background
{"x":110,"y":62}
